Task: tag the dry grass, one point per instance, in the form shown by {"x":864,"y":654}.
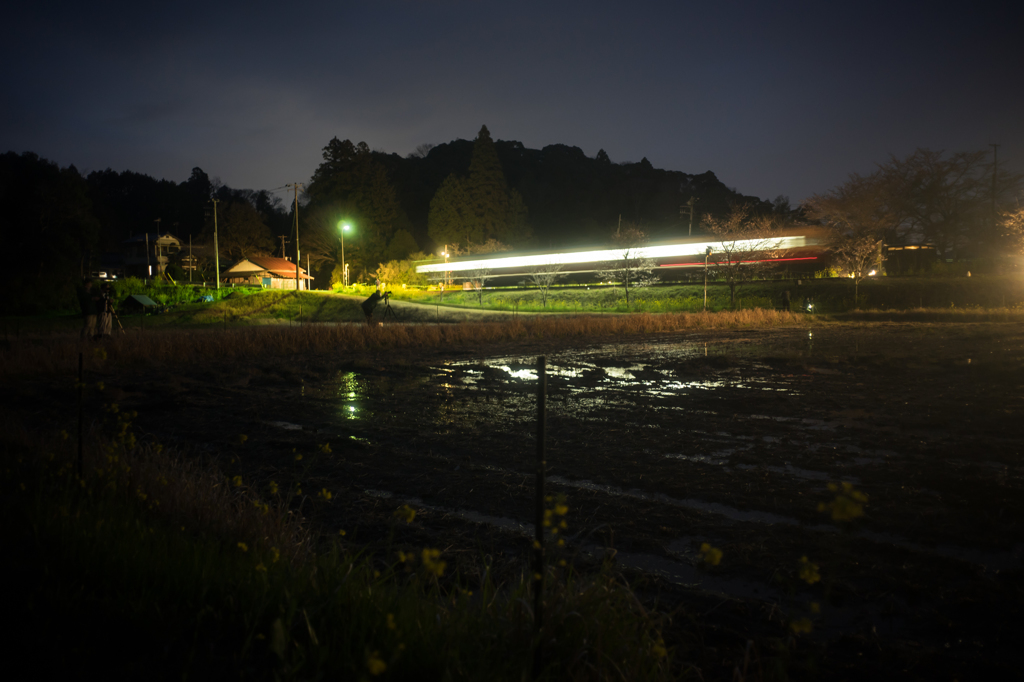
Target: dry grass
{"x":167,"y":346}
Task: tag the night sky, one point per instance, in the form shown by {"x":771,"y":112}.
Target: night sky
{"x":775,"y":98}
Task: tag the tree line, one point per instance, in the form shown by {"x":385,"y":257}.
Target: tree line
{"x":478,"y":196}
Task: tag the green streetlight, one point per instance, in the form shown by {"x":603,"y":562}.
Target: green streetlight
{"x":343,"y":227}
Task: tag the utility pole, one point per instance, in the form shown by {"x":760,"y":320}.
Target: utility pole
{"x":707,"y":255}
{"x":295,"y":186}
{"x":216,"y":248}
{"x":682,"y":211}
{"x":282,"y":237}
{"x":995,"y":167}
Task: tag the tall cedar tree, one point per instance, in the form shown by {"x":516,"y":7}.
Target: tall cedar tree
{"x":488,"y":193}
{"x":449,"y":221}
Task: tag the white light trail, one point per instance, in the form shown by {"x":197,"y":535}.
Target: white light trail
{"x":574,"y":257}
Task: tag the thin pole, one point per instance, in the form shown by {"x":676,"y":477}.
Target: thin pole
{"x":81,"y":414}
{"x":538,"y":545}
{"x":995,"y":166}
{"x":707,"y":254}
{"x":216,"y":248}
{"x":298,"y":255}
{"x":344,"y":270}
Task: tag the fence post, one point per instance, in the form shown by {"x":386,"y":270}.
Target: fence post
{"x":538,"y":547}
{"x":81,"y":414}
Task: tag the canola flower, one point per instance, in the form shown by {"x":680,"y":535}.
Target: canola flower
{"x":237,"y":481}
{"x":432,"y":563}
{"x":405,"y":513}
{"x":801,"y":626}
{"x":242,"y":546}
{"x":325,"y":494}
{"x":242,"y":438}
{"x":325,"y":448}
{"x":848,"y":503}
{"x":710,"y":555}
{"x":375,"y":664}
{"x":809,"y":571}
{"x":273,"y":488}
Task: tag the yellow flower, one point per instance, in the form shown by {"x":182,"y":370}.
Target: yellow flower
{"x":261,"y":568}
{"x":326,"y":494}
{"x":275,"y":554}
{"x":405,"y":513}
{"x":710,"y":555}
{"x":273,"y":488}
{"x":848,"y":503}
{"x":341,"y":532}
{"x":237,"y":481}
{"x":242,"y":438}
{"x":325,"y":448}
{"x":536,"y":545}
{"x":561,"y":509}
{"x":658,"y":649}
{"x":242,"y":546}
{"x":808,"y":571}
{"x":391,"y":622}
{"x":375,"y":665}
{"x":561,"y":542}
{"x":801,"y":626}
{"x":432,"y":563}
{"x":298,"y":458}
{"x":99,"y":385}
{"x":815,"y":607}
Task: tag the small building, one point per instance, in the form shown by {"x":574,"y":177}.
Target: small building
{"x":266,"y":271}
{"x":147,"y":254}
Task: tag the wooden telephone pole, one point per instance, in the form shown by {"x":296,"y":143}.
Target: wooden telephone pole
{"x":216,"y":249}
{"x":296,"y":186}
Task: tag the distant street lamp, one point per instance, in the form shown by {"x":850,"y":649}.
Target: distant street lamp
{"x":707,"y":254}
{"x":343,"y":227}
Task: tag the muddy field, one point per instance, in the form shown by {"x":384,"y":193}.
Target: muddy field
{"x":661,"y":444}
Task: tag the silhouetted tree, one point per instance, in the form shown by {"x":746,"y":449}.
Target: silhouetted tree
{"x":544,"y":276}
{"x":488,"y":193}
{"x":242,"y":232}
{"x":450,"y":220}
{"x":632,"y":266}
{"x":747,"y":243}
{"x":49,"y":227}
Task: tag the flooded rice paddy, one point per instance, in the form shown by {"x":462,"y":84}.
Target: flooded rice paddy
{"x":666,"y":442}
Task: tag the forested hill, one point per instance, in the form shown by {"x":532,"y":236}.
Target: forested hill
{"x":572,"y":199}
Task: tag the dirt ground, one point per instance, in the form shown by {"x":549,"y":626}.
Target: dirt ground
{"x":660,"y":444}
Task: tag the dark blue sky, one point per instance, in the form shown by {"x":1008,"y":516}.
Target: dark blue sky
{"x":775,"y":98}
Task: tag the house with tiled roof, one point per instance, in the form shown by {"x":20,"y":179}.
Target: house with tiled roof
{"x":268,"y":271}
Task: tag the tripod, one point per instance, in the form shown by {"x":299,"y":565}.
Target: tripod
{"x":118,"y":320}
{"x":388,"y":311}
